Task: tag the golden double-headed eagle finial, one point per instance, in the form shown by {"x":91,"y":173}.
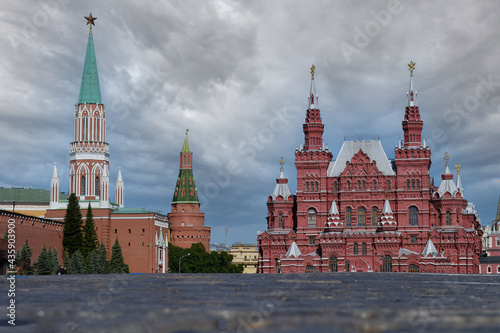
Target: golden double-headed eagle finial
{"x":457,"y":166}
{"x":313,"y":68}
{"x":282,"y":161}
{"x":411,"y":66}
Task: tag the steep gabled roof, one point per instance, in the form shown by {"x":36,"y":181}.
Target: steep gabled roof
{"x":372,"y":148}
{"x":293,"y":251}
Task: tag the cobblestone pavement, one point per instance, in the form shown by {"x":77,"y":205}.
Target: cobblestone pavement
{"x":332,"y":302}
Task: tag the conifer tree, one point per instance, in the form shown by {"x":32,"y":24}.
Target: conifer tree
{"x":44,"y":263}
{"x":24,"y":260}
{"x":77,"y":263}
{"x":54,"y":260}
{"x":116,"y":264}
{"x":72,"y":237}
{"x":92,"y":263}
{"x":90,"y":241}
{"x":102,"y":260}
{"x":67,"y":262}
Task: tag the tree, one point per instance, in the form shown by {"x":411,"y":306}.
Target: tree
{"x":24,"y":260}
{"x":44,"y":263}
{"x":67,"y":262}
{"x":201,"y":261}
{"x":102,"y":260}
{"x":77,"y":263}
{"x":116,"y":263}
{"x":92,"y":263}
{"x":54,"y":260}
{"x":90,"y":241}
{"x":72,"y":236}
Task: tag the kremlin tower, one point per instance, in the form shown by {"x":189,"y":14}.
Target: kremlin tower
{"x":187,"y":223}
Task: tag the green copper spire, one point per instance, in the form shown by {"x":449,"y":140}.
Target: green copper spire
{"x":89,"y":89}
{"x":185,"y":146}
{"x":185,"y":188}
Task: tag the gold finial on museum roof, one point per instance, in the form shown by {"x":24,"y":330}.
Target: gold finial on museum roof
{"x":446,"y":157}
{"x":411,"y":66}
{"x":90,"y":20}
{"x":282,"y":161}
{"x":457,"y":166}
{"x":313,"y":68}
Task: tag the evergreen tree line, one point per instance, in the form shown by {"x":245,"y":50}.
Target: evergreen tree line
{"x":200,"y":261}
{"x":82,"y":252}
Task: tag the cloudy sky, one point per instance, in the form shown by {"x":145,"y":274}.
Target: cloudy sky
{"x":236,"y":73}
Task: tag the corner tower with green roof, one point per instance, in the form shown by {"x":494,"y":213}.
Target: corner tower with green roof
{"x":187,"y":223}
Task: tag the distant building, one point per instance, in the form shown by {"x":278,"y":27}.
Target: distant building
{"x":365,"y":213}
{"x":490,"y":260}
{"x":247,"y":255}
{"x":27,"y":201}
{"x":187,"y":222}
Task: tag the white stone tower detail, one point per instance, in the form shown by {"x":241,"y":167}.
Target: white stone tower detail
{"x":119,"y":189}
{"x":54,"y":188}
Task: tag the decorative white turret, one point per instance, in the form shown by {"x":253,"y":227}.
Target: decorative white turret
{"x":447,"y":184}
{"x":430,"y":249}
{"x":119,"y":189}
{"x":459,"y":181}
{"x":104,"y":194}
{"x":54,"y":188}
{"x":281,"y":188}
{"x":387,"y":219}
{"x":334,"y":216}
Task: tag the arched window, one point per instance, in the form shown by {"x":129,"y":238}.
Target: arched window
{"x":363,"y":249}
{"x":311,"y":218}
{"x":335,"y":186}
{"x":96,"y":128}
{"x":277,"y":266}
{"x":413,"y":215}
{"x":83,"y":185}
{"x":374,"y":216}
{"x":280,"y":220}
{"x":85,"y":128}
{"x":310,"y":269}
{"x":413,"y":183}
{"x":361,"y":217}
{"x":191,"y":191}
{"x":386,"y":264}
{"x":348,"y":185}
{"x":307,"y":186}
{"x":364,"y":185}
{"x":317,"y":186}
{"x":374,"y":184}
{"x":388,"y":184}
{"x":411,"y":154}
{"x":448,"y":217}
{"x":348,"y":212}
{"x":355,"y":249}
{"x":359,"y":185}
{"x":347,"y":267}
{"x":183,"y":192}
{"x":407,"y":184}
{"x":97,"y":185}
{"x":332,"y":264}
{"x":413,"y":269}
{"x":418,"y":183}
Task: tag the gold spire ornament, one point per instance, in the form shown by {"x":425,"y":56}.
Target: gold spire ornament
{"x":187,"y":130}
{"x":312,"y":71}
{"x":457,"y":166}
{"x":282,"y":161}
{"x":90,"y":20}
{"x":411,"y":66}
{"x":446,"y":157}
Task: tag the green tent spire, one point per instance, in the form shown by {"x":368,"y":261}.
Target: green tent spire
{"x":185,"y":146}
{"x":90,"y":91}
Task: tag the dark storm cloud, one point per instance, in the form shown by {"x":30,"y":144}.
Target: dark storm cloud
{"x":236,"y":73}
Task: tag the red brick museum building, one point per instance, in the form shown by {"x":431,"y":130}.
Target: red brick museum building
{"x":365,"y":213}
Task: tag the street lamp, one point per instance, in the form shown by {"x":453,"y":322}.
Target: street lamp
{"x":181,"y":259}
